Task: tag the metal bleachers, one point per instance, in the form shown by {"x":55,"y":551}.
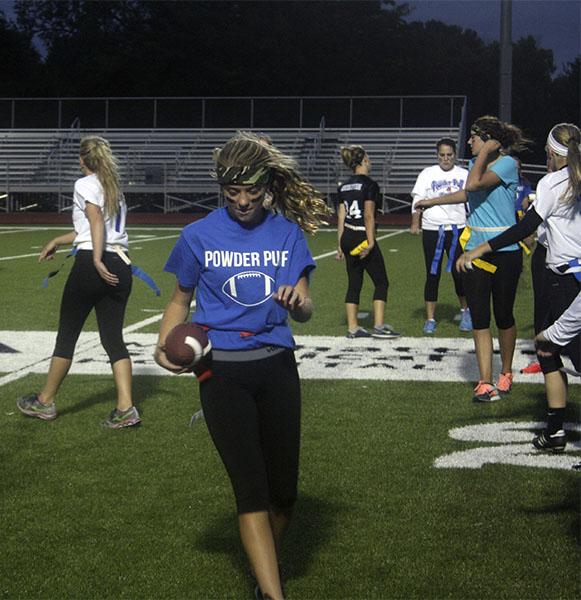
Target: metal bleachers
{"x":175,"y":164}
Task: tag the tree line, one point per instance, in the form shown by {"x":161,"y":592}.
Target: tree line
{"x":254,"y":48}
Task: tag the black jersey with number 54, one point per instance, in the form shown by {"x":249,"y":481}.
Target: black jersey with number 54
{"x":353,"y":194}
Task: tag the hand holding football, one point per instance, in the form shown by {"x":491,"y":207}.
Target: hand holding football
{"x":186,"y":345}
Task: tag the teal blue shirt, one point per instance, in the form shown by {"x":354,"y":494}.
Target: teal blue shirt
{"x":492,"y":210}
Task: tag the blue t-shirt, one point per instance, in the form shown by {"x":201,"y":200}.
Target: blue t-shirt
{"x":235,"y":270}
{"x":492,"y":210}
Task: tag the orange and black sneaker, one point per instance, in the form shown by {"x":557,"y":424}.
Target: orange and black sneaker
{"x":485,"y":392}
{"x":504,"y":383}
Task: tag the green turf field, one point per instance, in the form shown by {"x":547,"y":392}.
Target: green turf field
{"x":407,"y":489}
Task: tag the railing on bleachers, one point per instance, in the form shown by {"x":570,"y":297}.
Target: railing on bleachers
{"x":172,"y":165}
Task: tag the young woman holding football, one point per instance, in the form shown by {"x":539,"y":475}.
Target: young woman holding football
{"x":250,"y":269}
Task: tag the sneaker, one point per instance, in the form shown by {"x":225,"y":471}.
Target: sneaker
{"x":485,"y":392}
{"x":430,"y":326}
{"x":531,"y":368}
{"x":465,"y":320}
{"x":358,"y":333}
{"x":384,"y":331}
{"x":33,"y":407}
{"x":554,"y":443}
{"x":504,"y":383}
{"x":119,"y":419}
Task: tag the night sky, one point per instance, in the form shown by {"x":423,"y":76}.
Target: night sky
{"x":555,"y":24}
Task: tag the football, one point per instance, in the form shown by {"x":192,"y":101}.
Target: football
{"x":186,"y":345}
{"x":249,"y":288}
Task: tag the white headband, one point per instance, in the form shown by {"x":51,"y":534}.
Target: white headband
{"x":556,"y":146}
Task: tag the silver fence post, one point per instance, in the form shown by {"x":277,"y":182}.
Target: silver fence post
{"x":350,"y":113}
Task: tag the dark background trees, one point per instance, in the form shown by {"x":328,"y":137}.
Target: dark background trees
{"x":143,"y":48}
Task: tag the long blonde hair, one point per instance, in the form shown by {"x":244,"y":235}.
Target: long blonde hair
{"x":99,"y":159}
{"x":246,"y":155}
{"x":569,"y":136}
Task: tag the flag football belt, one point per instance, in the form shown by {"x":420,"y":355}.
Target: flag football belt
{"x":573,"y":263}
{"x":246,"y":355}
{"x":355,"y":227}
{"x":440,"y":249}
{"x":500,"y":230}
{"x":135,"y":270}
{"x":477,"y":262}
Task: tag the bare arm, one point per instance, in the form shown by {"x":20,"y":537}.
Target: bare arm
{"x":479,"y":177}
{"x":177,"y":311}
{"x":48,"y":252}
{"x":97,"y":224}
{"x":296,"y":300}
{"x":459,"y":197}
{"x":416,"y":226}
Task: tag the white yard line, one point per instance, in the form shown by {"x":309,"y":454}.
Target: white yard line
{"x":65,"y":250}
{"x":92,"y":342}
{"x":381,"y":237}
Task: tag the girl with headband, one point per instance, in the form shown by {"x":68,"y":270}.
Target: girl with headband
{"x":558,"y":207}
{"x":250,"y":268}
{"x":490,"y":191}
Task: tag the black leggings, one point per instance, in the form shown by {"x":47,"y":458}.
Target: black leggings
{"x":430,"y":241}
{"x":85,"y":290}
{"x":480,"y":285}
{"x":253,"y":413}
{"x":373,"y":264}
{"x":540,"y":288}
{"x":561,"y":291}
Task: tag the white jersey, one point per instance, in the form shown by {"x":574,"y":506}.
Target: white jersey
{"x":562,"y":221}
{"x":89,"y":189}
{"x":567,"y":326}
{"x":433,"y":182}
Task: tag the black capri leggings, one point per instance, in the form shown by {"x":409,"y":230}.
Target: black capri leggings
{"x":430,"y":241}
{"x":85,"y":290}
{"x":540,"y":288}
{"x":561,"y":291}
{"x":253,"y":413}
{"x":480,"y":285}
{"x":373,"y":264}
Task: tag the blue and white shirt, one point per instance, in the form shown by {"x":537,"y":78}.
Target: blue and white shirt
{"x":492,"y":210}
{"x":434,"y":182}
{"x":89,"y":190}
{"x":235,"y":271}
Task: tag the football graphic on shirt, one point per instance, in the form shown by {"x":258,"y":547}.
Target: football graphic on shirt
{"x":249,"y":288}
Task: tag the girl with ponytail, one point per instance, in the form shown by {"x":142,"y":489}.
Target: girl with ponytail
{"x":357,"y":201}
{"x":558,"y":207}
{"x":101,"y":278}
